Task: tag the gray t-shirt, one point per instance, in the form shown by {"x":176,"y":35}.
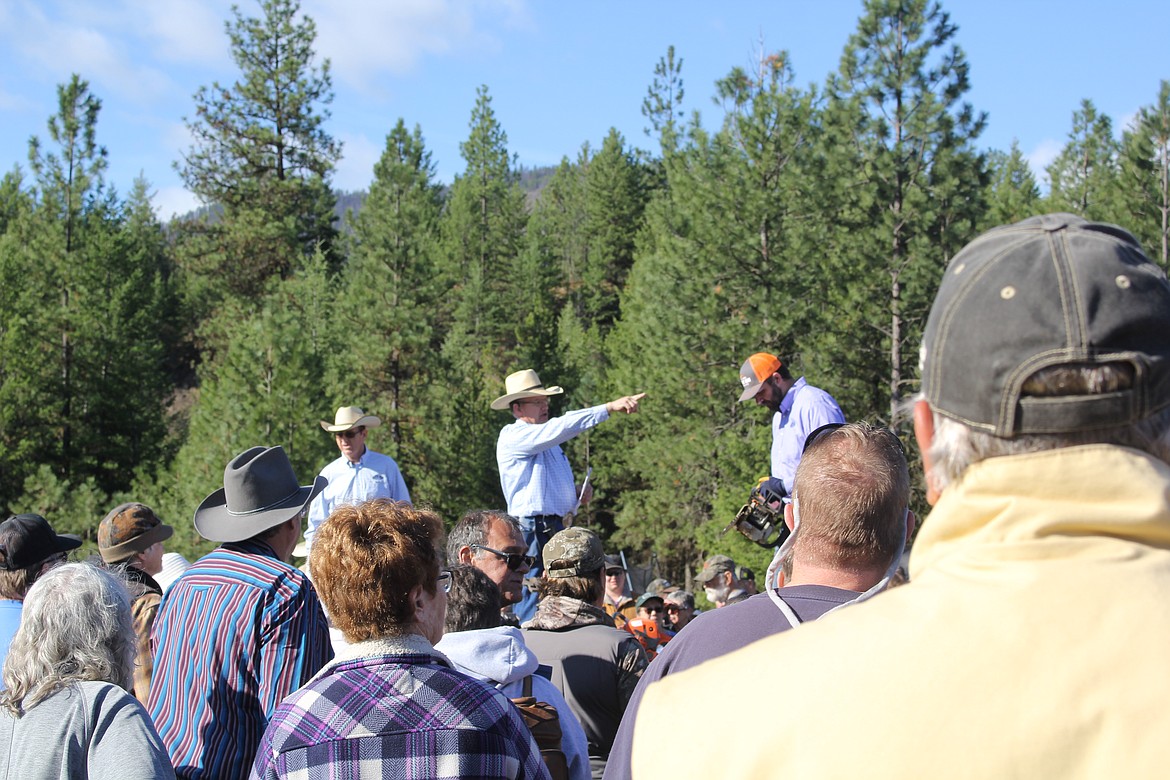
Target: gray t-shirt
{"x":85,"y":730}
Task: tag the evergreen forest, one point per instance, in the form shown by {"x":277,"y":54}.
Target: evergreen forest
{"x":137,"y":357}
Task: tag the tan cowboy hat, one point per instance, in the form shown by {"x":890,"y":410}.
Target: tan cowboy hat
{"x":350,"y":417}
{"x":523,"y":384}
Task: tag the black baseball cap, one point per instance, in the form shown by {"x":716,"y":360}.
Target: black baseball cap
{"x":26,"y":540}
{"x":1053,"y":290}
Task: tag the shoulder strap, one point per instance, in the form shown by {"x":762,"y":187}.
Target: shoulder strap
{"x":528,"y":685}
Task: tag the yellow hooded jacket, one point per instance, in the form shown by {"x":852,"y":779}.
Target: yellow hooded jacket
{"x":1032,"y":641}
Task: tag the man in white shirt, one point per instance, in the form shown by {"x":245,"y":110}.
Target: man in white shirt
{"x":360,"y":474}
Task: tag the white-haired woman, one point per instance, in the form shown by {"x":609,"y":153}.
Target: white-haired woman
{"x":66,"y":711}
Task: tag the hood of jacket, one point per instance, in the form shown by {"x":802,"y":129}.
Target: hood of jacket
{"x":495,"y":655}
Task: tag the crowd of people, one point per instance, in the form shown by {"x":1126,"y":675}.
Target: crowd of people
{"x":1027,"y":641}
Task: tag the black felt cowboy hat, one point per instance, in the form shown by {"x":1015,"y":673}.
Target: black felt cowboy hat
{"x":259,"y":491}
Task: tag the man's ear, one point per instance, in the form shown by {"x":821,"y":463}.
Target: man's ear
{"x":464,"y":554}
{"x":789,"y":517}
{"x":911,"y":521}
{"x":924,"y":435}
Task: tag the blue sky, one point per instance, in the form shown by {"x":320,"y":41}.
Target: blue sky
{"x":560,"y":73}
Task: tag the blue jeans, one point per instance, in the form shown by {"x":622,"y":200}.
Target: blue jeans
{"x":537,"y":531}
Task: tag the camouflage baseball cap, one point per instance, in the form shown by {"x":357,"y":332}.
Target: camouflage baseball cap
{"x":716,"y":564}
{"x":572,"y":553}
{"x":660,"y":587}
{"x":129,"y":529}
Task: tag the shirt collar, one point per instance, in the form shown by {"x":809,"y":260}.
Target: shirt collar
{"x":790,"y":396}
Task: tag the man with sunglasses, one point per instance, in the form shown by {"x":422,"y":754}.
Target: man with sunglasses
{"x":491,"y":541}
{"x":360,"y":474}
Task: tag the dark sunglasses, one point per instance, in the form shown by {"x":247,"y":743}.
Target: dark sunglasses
{"x":513,"y":560}
{"x":352,"y":432}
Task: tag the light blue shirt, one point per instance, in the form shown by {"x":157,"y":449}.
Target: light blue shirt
{"x":374,"y":476}
{"x":9,"y":622}
{"x":534,"y":473}
{"x":804,"y":409}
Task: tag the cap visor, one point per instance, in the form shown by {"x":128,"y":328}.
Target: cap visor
{"x":750,"y":392}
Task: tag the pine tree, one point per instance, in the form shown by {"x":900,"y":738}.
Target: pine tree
{"x":1013,"y":193}
{"x":1143,"y":183}
{"x":615,"y":199}
{"x":389,"y":308}
{"x":1081,"y":176}
{"x":916,"y":197}
{"x":261,"y":156}
{"x":267,"y":388}
{"x":662,"y":105}
{"x":83,"y":377}
{"x":716,"y":276}
{"x":482,"y":232}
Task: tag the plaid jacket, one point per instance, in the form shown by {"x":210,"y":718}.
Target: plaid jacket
{"x":404,"y":715}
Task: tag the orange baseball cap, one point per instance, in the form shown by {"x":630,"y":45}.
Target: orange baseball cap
{"x":755,"y":371}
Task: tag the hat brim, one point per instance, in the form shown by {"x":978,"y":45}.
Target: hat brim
{"x":750,"y":392}
{"x":502,"y":403}
{"x":366,"y":421}
{"x":127,"y":549}
{"x":215,"y":523}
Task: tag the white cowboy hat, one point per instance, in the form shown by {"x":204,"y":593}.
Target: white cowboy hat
{"x":350,"y":417}
{"x":523,"y":384}
{"x":259,"y":491}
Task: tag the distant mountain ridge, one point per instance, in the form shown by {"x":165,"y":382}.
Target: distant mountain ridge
{"x":532,"y":181}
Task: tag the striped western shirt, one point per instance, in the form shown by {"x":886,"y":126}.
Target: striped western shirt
{"x":238,"y":632}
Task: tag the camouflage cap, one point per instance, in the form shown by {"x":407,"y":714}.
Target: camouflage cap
{"x":129,"y":529}
{"x":660,"y":587}
{"x":572,"y":553}
{"x":716,"y":564}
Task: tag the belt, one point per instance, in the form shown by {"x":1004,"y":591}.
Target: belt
{"x":548,"y":517}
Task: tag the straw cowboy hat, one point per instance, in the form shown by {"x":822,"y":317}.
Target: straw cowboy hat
{"x":523,"y":384}
{"x":259,"y":491}
{"x":350,"y":417}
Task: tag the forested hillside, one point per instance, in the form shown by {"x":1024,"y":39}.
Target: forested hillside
{"x":136,"y":358}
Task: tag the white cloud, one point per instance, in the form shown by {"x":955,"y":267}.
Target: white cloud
{"x":170,"y":202}
{"x":73,"y":41}
{"x":1041,"y":156}
{"x":365,"y":39}
{"x":184,"y":30}
{"x":355,"y":170}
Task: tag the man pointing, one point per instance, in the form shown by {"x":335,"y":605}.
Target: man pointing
{"x":535,"y":475}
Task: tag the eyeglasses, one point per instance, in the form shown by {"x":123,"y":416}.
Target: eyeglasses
{"x":351,"y":433}
{"x":654,"y":609}
{"x":445,"y":581}
{"x":514,"y":560}
{"x":614,"y":572}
